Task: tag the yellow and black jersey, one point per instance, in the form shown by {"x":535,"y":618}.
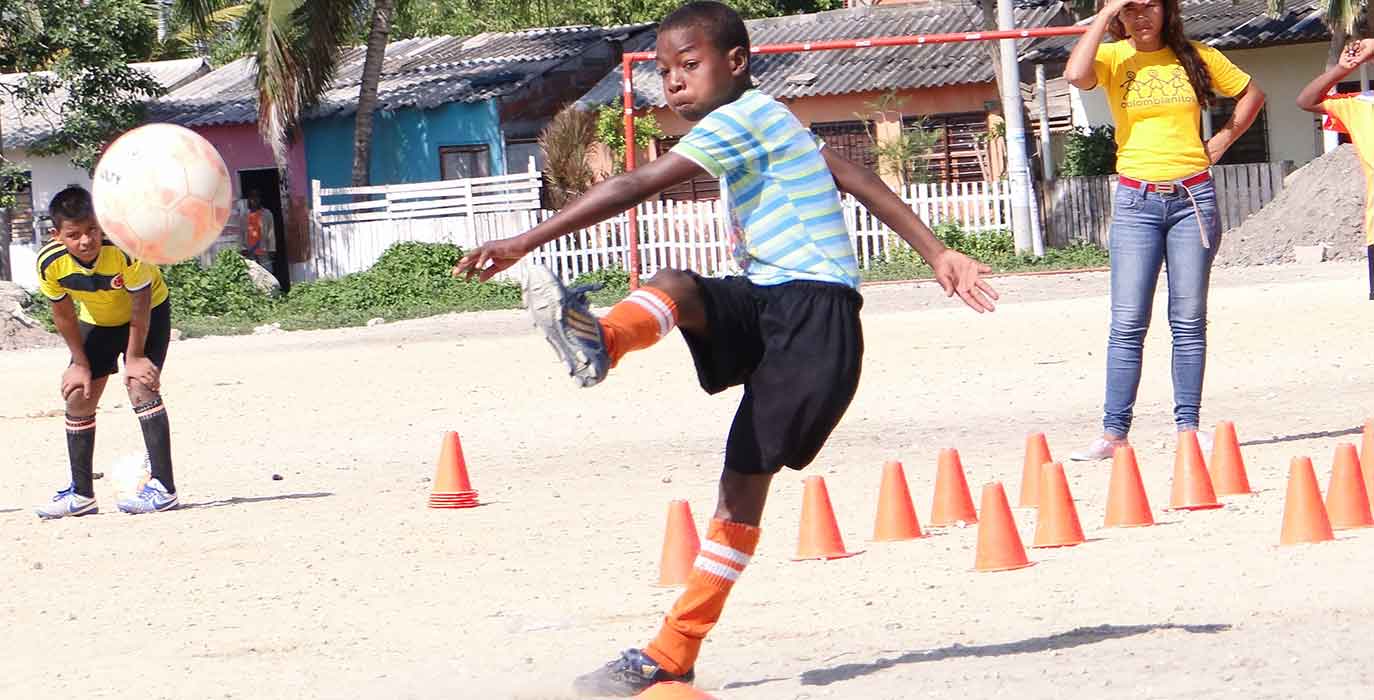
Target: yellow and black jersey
{"x":102,"y":287}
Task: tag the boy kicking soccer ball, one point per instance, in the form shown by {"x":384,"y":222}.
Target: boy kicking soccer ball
{"x":124,"y":310}
{"x":787,"y":330}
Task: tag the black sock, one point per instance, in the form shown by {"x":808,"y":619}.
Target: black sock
{"x":81,"y":452}
{"x":157,"y":437}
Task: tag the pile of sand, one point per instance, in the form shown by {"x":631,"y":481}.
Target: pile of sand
{"x":1321,"y":202}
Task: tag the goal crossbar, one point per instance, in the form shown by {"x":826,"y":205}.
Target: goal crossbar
{"x":629,"y":59}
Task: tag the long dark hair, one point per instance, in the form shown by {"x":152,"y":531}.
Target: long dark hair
{"x":1176,"y":39}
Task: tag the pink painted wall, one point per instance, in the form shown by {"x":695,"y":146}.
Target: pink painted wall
{"x":243,"y":149}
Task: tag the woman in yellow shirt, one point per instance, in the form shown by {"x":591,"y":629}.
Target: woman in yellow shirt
{"x":1165,"y":210}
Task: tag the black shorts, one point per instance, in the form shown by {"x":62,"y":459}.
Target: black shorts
{"x":104,"y":344}
{"x":797,"y":349}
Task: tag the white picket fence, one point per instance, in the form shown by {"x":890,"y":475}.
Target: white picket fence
{"x":350,"y":237}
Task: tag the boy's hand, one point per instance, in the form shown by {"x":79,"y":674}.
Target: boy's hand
{"x":491,"y":257}
{"x":959,"y":274}
{"x":142,"y":370}
{"x":1356,"y":53}
{"x":76,"y":378}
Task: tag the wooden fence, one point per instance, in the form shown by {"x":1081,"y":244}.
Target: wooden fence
{"x":1079,"y":209}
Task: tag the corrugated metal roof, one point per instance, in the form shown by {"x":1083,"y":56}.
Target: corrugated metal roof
{"x":423,"y":73}
{"x":1225,"y":24}
{"x":847,"y":71}
{"x":22,"y":130}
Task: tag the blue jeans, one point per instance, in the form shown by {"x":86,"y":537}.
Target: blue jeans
{"x":1150,"y":229}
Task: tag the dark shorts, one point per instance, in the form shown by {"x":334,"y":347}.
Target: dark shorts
{"x":104,"y":344}
{"x":797,"y":349}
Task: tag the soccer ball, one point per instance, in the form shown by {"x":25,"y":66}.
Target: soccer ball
{"x":162,"y":193}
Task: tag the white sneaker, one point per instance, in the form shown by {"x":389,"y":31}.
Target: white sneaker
{"x":1100,"y":449}
{"x":68,"y":503}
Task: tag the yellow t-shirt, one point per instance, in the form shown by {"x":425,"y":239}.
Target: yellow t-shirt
{"x":102,"y":287}
{"x":1156,"y":111}
{"x":1356,"y":114}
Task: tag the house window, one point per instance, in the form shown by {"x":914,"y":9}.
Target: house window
{"x":963,"y":136}
{"x":849,"y":139}
{"x":463,"y":162}
{"x":518,"y":155}
{"x":23,"y":226}
{"x":1252,"y":146}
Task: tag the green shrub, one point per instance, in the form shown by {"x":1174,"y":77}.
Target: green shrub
{"x":222,"y":290}
{"x":1089,"y":152}
{"x":994,"y":248}
{"x":614,"y":281}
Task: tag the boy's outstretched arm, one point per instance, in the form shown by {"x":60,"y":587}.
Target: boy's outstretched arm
{"x":1314,"y":94}
{"x":956,"y":272}
{"x":604,"y":200}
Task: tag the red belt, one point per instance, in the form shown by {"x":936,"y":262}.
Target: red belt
{"x":1164,"y":187}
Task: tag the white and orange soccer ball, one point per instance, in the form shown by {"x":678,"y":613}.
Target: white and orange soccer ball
{"x":162,"y":193}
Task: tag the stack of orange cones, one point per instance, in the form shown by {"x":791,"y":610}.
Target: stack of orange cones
{"x":999,"y":544}
{"x":953,"y":502}
{"x":896,"y":519}
{"x":820,"y":534}
{"x":1367,"y":457}
{"x":451,"y":486}
{"x":1304,"y":516}
{"x":1347,"y":501}
{"x":1057,"y":524}
{"x":680,"y":546}
{"x":1127,"y":505}
{"x":1192,"y":488}
{"x":1037,"y":456}
{"x":1228,"y":467}
{"x":672,"y":690}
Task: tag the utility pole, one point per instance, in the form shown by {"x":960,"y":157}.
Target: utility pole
{"x":1018,"y":167}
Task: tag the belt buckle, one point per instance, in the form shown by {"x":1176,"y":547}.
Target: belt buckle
{"x":1168,"y":188}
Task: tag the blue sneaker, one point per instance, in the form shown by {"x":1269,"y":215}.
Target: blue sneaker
{"x":627,"y":676}
{"x":152,"y":499}
{"x":568,"y":324}
{"x":68,"y":503}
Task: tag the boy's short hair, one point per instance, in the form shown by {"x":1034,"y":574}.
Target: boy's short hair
{"x":71,"y":204}
{"x":721,"y":24}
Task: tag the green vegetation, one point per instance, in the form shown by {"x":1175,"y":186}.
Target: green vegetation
{"x":995,"y":248}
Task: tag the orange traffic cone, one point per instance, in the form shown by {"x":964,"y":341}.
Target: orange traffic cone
{"x":1057,"y":523}
{"x":1127,"y":505}
{"x":1228,"y":467}
{"x":680,"y":545}
{"x":896,"y":516}
{"x":1304,"y":516}
{"x":672,"y":690}
{"x":1192,"y":485}
{"x":451,"y":486}
{"x":1037,"y":456}
{"x":999,"y":544}
{"x":1367,"y":457}
{"x":820,"y":534}
{"x":1347,"y":501}
{"x":953,"y":502}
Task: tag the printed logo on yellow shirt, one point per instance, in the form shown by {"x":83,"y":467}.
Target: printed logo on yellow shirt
{"x":1157,"y":85}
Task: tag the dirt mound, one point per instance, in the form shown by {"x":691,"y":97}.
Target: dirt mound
{"x":18,"y":331}
{"x":1321,"y":202}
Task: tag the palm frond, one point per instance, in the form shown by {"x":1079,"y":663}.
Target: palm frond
{"x":1342,"y":12}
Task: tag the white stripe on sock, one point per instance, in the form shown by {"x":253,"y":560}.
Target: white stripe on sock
{"x":727,"y":553}
{"x":716,"y":568}
{"x":647,"y":302}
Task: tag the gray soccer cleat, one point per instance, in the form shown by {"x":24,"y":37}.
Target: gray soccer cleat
{"x":568,"y":324}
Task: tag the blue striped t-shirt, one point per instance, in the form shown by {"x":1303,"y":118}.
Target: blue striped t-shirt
{"x":785,"y":210}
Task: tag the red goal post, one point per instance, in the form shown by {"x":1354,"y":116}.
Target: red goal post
{"x":629,"y":59}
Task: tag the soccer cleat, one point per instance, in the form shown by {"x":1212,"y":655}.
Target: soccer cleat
{"x":626,"y":677}
{"x":153,"y":498}
{"x":68,"y":503}
{"x":1099,"y":449}
{"x":568,"y":324}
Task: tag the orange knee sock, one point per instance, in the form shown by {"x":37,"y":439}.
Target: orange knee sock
{"x":638,"y":321}
{"x":724,"y":554}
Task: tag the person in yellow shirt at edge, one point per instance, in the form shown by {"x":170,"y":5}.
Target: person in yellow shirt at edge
{"x":1165,"y":209}
{"x":1352,"y":113}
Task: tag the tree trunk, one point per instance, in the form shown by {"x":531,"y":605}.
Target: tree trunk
{"x":6,"y":274}
{"x":1338,"y":36}
{"x":382,"y":11}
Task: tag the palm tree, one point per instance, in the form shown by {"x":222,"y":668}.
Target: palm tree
{"x":1340,"y":17}
{"x":296,"y":45}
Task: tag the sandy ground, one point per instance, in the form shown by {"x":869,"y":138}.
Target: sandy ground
{"x":337,"y":582}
